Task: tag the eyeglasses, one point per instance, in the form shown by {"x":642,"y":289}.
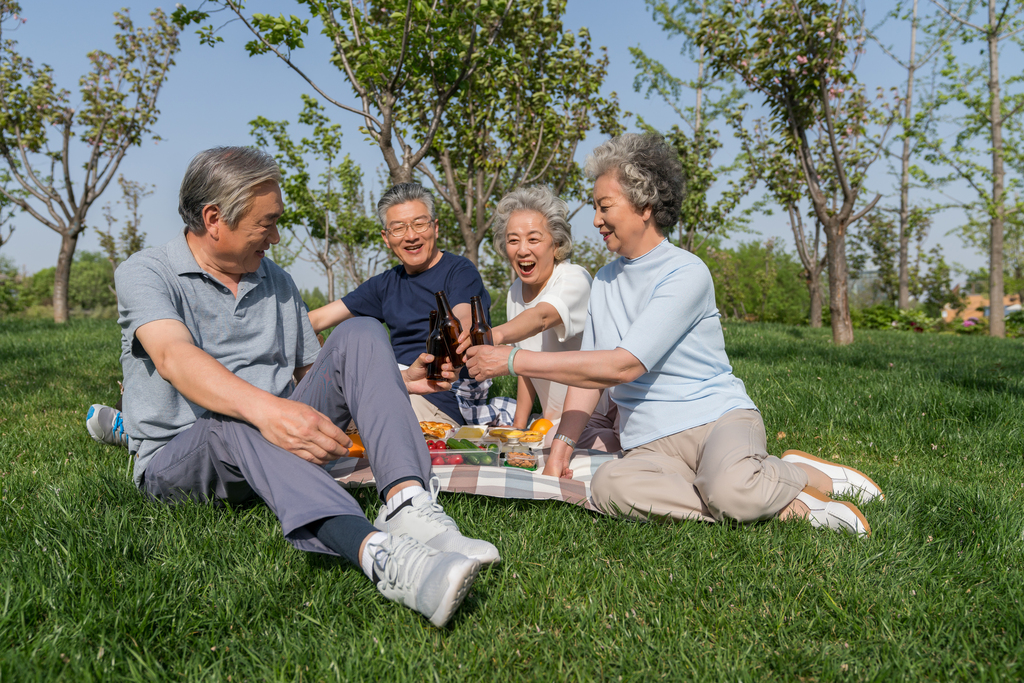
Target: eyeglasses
{"x":419,"y":226}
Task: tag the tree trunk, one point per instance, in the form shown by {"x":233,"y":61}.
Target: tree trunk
{"x":996,"y":321}
{"x":838,"y":300}
{"x":62,"y":277}
{"x":329,"y":271}
{"x":814,"y":289}
{"x":472,"y":251}
{"x":903,"y":298}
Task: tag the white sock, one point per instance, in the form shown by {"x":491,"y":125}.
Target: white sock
{"x":373,"y":546}
{"x":405,"y":494}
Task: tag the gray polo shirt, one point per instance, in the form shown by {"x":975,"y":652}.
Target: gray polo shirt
{"x":261,"y":335}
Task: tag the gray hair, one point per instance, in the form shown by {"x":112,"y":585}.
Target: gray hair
{"x":542,"y":200}
{"x":402,"y":193}
{"x":648,"y":171}
{"x":224,"y":177}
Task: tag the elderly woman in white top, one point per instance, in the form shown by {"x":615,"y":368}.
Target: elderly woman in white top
{"x":547,"y":304}
{"x":695,"y":445}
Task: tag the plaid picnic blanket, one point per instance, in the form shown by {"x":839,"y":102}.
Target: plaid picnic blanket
{"x":498,"y":482}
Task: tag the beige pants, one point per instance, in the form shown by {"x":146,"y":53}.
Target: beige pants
{"x":427,"y":411}
{"x":717,"y":471}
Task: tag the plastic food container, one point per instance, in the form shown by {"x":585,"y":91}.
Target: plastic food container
{"x":519,"y":456}
{"x":470,"y":432}
{"x":435,"y":430}
{"x":474,"y":457}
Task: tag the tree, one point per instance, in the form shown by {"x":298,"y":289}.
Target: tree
{"x":519,"y":121}
{"x":714,"y":97}
{"x":771,"y":163}
{"x":800,"y":57}
{"x":38,"y":125}
{"x":979,"y":90}
{"x":327,"y":207}
{"x":399,"y":57}
{"x":909,"y":137}
{"x":90,"y":286}
{"x":475,"y":97}
{"x":878,"y":242}
{"x":130,"y":239}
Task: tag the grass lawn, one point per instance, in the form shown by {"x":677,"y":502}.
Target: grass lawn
{"x":97,"y":584}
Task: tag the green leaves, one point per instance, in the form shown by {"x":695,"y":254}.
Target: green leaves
{"x":277,"y":31}
{"x":116,"y":111}
{"x":324,"y":203}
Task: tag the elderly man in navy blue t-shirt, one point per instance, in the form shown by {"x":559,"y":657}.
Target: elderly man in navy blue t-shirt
{"x":403,"y":296}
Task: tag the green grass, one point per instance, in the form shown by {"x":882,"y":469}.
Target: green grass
{"x":98,"y":584}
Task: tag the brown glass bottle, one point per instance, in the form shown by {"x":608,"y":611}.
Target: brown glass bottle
{"x":450,"y":329}
{"x":480,"y":331}
{"x":436,"y":348}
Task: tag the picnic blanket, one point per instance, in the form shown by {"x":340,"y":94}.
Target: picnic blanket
{"x":498,"y":482}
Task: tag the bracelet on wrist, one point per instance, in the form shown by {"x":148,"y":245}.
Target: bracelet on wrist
{"x":511,"y":356}
{"x":563,"y":437}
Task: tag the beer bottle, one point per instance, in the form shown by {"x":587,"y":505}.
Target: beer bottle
{"x":436,"y":348}
{"x":480,"y":332}
{"x":450,"y":329}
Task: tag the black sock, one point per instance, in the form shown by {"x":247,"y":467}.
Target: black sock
{"x":343,"y":534}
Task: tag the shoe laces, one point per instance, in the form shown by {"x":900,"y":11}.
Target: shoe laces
{"x":400,"y":560}
{"x":117,"y":427}
{"x":433,"y":510}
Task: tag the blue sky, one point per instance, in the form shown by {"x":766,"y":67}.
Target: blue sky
{"x":213,"y":93}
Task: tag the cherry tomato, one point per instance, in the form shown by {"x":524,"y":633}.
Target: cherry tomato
{"x":437,"y":460}
{"x":454,"y":459}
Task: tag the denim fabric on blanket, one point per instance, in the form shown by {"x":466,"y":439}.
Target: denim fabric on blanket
{"x":476,"y":409}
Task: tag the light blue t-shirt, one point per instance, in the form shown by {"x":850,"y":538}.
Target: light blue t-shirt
{"x":661,"y":308}
{"x":262,"y":335}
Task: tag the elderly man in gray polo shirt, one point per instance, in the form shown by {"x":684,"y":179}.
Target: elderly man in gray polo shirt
{"x":232,"y":399}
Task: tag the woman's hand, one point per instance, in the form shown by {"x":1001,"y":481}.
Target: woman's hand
{"x":557,"y":464}
{"x":485,"y":362}
{"x":415,"y":377}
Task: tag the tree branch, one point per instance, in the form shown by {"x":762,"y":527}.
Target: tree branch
{"x":955,"y":17}
{"x":293,"y":67}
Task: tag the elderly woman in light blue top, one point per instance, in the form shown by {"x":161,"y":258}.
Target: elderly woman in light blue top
{"x":694,"y":443}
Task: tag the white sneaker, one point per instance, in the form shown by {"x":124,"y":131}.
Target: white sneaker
{"x":424,"y":519}
{"x":106,"y":425}
{"x":845,"y":480}
{"x":429,"y":581}
{"x":833,"y":514}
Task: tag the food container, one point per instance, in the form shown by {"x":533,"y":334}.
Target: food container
{"x":519,"y":455}
{"x":435,"y":430}
{"x":526,"y":437}
{"x":470,"y":432}
{"x":477,"y":456}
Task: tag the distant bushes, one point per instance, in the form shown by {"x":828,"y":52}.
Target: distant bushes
{"x":90,"y":289}
{"x":886,"y":317}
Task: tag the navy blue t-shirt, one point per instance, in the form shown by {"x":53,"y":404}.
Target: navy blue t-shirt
{"x":404,"y":302}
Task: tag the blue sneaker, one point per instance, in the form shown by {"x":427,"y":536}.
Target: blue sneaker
{"x":106,"y":425}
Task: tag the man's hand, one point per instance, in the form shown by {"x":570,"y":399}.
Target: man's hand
{"x":415,"y":377}
{"x":557,"y":464}
{"x":465,"y":343}
{"x":485,"y":362}
{"x":304,"y":431}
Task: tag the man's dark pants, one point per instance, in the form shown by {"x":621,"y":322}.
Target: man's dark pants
{"x":355,"y":377}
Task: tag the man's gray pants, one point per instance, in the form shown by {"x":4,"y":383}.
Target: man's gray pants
{"x":355,"y":377}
